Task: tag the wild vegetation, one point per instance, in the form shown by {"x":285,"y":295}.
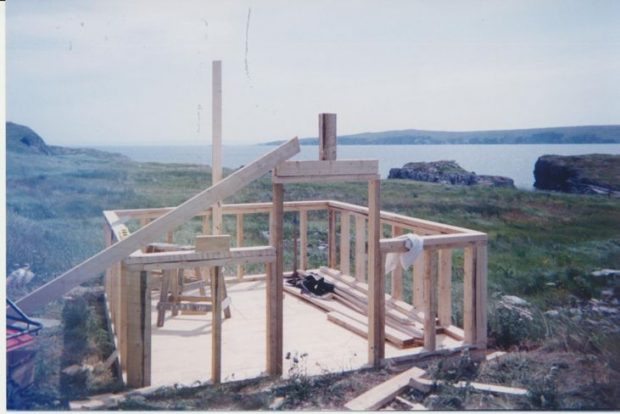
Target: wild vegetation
{"x":543,"y":248}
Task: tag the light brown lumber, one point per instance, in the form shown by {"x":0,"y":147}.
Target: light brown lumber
{"x":439,"y":241}
{"x":331,"y":238}
{"x":469,"y":293}
{"x":138,"y":330}
{"x":498,"y":389}
{"x":327,"y":137}
{"x":376,"y":281}
{"x":216,"y":327}
{"x":453,"y":332}
{"x":397,"y":273}
{"x":421,"y":384}
{"x":444,"y":294}
{"x":90,"y":268}
{"x":412,"y":406}
{"x":430,"y":264}
{"x":163,"y":296}
{"x":193,"y":256}
{"x":345,"y":243}
{"x":377,"y":397}
{"x":360,"y":248}
{"x":495,"y":355}
{"x":319,"y":168}
{"x":239,"y":243}
{"x":303,"y":239}
{"x":481,"y":295}
{"x":324,"y":178}
{"x":275,"y":340}
{"x":215,"y":243}
{"x":419,"y":270}
{"x":123,"y":289}
{"x":216,"y":143}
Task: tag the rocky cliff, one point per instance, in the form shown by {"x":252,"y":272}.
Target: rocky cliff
{"x":581,"y":174}
{"x":447,"y":172}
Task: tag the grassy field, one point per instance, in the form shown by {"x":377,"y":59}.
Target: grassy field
{"x":542,"y":246}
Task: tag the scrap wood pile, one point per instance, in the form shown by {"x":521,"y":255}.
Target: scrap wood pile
{"x":346,"y":302}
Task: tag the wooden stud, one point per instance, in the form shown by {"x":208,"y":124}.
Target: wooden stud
{"x":163,"y":296}
{"x":216,"y":327}
{"x":469,"y":293}
{"x":319,"y":168}
{"x":123,"y":295}
{"x":216,"y":144}
{"x":345,"y":243}
{"x":327,"y":137}
{"x":418,"y":282}
{"x":331,"y":239}
{"x":138,"y":330}
{"x":397,"y":273}
{"x":430,"y":263}
{"x":275,"y":292}
{"x":90,"y":268}
{"x":360,"y":248}
{"x":239,"y":243}
{"x":206,"y":224}
{"x":303,"y":239}
{"x":481,"y":295}
{"x":376,"y":281}
{"x":175,"y":289}
{"x":444,"y":296}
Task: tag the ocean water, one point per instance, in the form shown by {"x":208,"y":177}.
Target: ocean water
{"x":514,"y":161}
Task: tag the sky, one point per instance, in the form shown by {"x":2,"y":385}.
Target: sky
{"x":116,"y":72}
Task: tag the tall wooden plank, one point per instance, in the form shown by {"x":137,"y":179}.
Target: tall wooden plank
{"x":327,"y":137}
{"x":397,"y":273}
{"x":360,"y":248}
{"x":430,"y":263}
{"x":216,"y":326}
{"x":418,"y":282}
{"x":216,"y":143}
{"x":138,"y":330}
{"x":469,"y":294}
{"x":123,"y":288}
{"x":90,"y":268}
{"x":303,"y":239}
{"x":481,"y":295}
{"x":239,"y":243}
{"x":275,"y":289}
{"x":331,"y":239}
{"x":345,"y":243}
{"x":444,"y":296}
{"x":376,"y":281}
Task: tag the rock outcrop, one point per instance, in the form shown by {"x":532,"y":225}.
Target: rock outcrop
{"x":580,"y":174}
{"x":447,"y":172}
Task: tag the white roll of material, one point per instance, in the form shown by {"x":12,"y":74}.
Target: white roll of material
{"x":414,"y":245}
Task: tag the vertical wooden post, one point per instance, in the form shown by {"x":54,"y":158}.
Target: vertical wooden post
{"x":331,"y":239}
{"x":444,"y":297}
{"x":216,"y":164}
{"x":327,"y":137}
{"x":345,"y":243}
{"x":397,"y":273}
{"x":170,"y":237}
{"x":360,"y":248}
{"x":138,"y":330}
{"x":240,"y":243}
{"x":430,"y":263}
{"x":376,"y":281}
{"x":469,"y":293}
{"x":418,"y":282}
{"x":123,"y":295}
{"x":303,"y":239}
{"x":206,"y":224}
{"x":481,"y":295}
{"x":216,"y":326}
{"x":275,"y":290}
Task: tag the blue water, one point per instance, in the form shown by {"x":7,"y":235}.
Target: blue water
{"x":514,"y":161}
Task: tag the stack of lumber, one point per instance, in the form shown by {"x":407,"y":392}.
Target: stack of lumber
{"x":348,"y":307}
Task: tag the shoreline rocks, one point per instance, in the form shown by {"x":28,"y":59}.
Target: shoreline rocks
{"x":579,"y":174}
{"x":447,"y":172}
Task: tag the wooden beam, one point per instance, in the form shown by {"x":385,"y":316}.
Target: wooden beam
{"x":345,"y":243}
{"x":469,"y":293}
{"x":239,"y":243}
{"x":90,"y":268}
{"x":444,"y":295}
{"x":440,"y":241}
{"x":331,"y":239}
{"x":397,"y":273}
{"x":377,"y":397}
{"x":138,"y":330}
{"x":376,"y":281}
{"x":481,"y":295}
{"x":303,"y":239}
{"x":216,"y":144}
{"x":327,"y":137}
{"x":216,"y":327}
{"x":418,"y":281}
{"x":275,"y":292}
{"x":324,"y":178}
{"x":318,"y":168}
{"x":360,"y":248}
{"x":430,"y":264}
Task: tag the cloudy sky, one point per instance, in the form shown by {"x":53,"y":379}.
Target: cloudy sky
{"x":139,"y":72}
